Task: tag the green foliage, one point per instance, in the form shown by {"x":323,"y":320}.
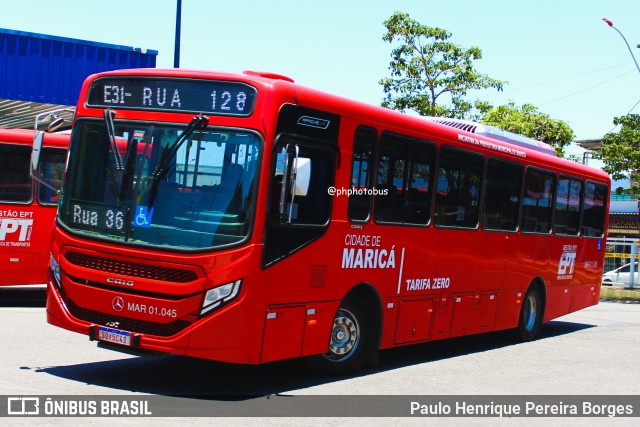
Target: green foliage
{"x":529,"y":121}
{"x":429,"y":74}
{"x":574,"y":158}
{"x":621,"y":151}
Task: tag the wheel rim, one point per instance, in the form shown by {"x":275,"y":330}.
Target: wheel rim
{"x":530,"y":312}
{"x":345,"y":336}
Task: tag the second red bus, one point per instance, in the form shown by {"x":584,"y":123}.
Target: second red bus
{"x":27,"y":208}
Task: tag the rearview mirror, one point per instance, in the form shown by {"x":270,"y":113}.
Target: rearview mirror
{"x":302,"y":171}
{"x":35,"y":151}
{"x":54,"y":120}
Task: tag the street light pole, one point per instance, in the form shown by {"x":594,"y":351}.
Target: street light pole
{"x":176,"y":52}
{"x":609,"y":23}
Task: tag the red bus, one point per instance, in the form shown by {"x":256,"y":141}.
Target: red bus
{"x":247,"y":219}
{"x":27,"y":208}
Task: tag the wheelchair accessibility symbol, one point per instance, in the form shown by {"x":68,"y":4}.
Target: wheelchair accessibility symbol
{"x":143,"y":217}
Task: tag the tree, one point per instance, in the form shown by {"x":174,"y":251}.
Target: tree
{"x":529,"y":121}
{"x":429,"y":74}
{"x":621,"y":151}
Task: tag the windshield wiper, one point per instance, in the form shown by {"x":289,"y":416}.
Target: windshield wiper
{"x":129,"y":164}
{"x":117,"y":160}
{"x":162,"y":169}
{"x":111,"y":132}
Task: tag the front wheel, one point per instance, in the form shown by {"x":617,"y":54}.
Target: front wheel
{"x":530,"y":314}
{"x":350,"y":343}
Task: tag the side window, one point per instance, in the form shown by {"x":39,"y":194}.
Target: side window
{"x":52,"y":163}
{"x":594,"y":209}
{"x":458,"y":188}
{"x":362,"y":173}
{"x":298,"y":217}
{"x":502,"y":195}
{"x":539,"y":187}
{"x":314,"y":207}
{"x":15,"y":182}
{"x":567,"y":215}
{"x":405,"y":171}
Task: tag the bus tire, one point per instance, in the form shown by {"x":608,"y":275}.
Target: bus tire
{"x":530,"y":314}
{"x":350,"y":343}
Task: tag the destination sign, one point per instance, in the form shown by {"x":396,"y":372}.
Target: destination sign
{"x":175,"y":95}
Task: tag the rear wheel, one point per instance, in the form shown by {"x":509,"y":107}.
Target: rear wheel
{"x":350,"y":343}
{"x":530,"y":314}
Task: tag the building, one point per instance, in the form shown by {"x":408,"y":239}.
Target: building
{"x":41,"y":72}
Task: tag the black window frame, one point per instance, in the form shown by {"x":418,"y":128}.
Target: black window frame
{"x":363,"y":202}
{"x":282,"y":239}
{"x":583,"y":225}
{"x":446,"y":207}
{"x":557,"y":214}
{"x":311,"y":144}
{"x":47,"y":153}
{"x":385,"y":196}
{"x":18,"y":164}
{"x":485,"y":194}
{"x":552,"y":192}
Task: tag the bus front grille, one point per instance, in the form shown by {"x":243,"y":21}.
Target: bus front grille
{"x":128,"y":268}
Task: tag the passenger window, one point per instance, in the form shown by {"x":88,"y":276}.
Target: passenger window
{"x":15,"y":181}
{"x":594,"y":209}
{"x":362,"y":174}
{"x":458,"y":188}
{"x":539,"y":187}
{"x":295,"y":220}
{"x":52,"y":165}
{"x":567,"y":215}
{"x":314,"y":207}
{"x":405,"y":171}
{"x":502,"y":195}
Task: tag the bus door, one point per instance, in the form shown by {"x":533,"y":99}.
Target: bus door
{"x":296,"y":257}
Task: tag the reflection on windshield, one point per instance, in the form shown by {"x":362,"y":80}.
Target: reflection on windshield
{"x":202,"y":199}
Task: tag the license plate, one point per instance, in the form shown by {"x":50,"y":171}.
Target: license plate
{"x":114,"y":335}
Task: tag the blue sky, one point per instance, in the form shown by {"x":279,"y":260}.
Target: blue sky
{"x":558,"y":55}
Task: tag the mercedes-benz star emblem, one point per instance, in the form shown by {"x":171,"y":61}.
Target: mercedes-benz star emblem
{"x":118,"y":303}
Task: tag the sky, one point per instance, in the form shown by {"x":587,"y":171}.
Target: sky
{"x":557,"y":55}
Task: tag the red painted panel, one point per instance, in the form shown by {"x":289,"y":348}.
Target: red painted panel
{"x":442,"y":319}
{"x":474,"y":314}
{"x":583,"y":296}
{"x":317,"y":327}
{"x":283,"y":333}
{"x":414,"y":321}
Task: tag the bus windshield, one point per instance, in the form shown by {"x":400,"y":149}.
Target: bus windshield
{"x":150,"y":184}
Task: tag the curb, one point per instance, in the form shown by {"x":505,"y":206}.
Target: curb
{"x":622,"y":295}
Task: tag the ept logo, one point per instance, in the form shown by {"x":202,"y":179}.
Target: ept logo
{"x":9,"y":226}
{"x":567,"y":262}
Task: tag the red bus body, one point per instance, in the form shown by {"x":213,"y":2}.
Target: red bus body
{"x":417,"y":282}
{"x":27,"y":210}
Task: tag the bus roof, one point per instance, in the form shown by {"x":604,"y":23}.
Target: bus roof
{"x":496,"y":133}
{"x":474,"y":133}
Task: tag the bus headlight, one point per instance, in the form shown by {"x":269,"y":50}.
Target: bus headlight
{"x":216,"y":296}
{"x":55,"y":270}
